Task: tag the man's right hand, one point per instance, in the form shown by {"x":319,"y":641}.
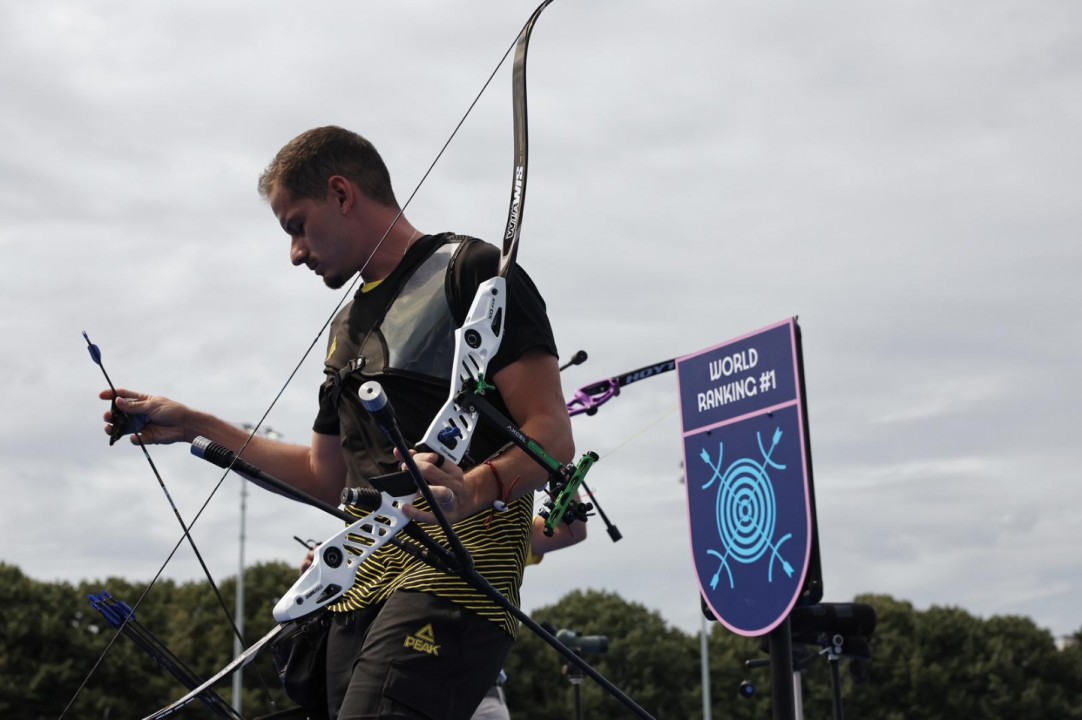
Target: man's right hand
{"x":165,"y":418}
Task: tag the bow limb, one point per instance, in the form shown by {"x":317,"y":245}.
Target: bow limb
{"x":479,"y":338}
{"x":518,"y":184}
{"x":238,"y":662}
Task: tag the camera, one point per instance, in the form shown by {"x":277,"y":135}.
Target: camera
{"x":583,"y":644}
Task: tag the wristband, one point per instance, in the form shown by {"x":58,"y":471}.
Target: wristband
{"x":500,"y":503}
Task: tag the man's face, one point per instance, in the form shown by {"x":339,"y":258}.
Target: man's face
{"x":318,"y":236}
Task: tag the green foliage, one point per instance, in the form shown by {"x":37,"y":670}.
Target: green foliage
{"x":50,"y":639}
{"x":937,"y":664}
{"x":655,"y":664}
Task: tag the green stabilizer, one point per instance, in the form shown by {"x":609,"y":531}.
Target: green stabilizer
{"x":539,"y":453}
{"x":566,"y":496}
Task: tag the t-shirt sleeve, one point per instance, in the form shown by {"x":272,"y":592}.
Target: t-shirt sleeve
{"x":526,"y":326}
{"x":327,"y":422}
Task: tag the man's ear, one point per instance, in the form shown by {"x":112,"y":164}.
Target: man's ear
{"x":341,"y":192}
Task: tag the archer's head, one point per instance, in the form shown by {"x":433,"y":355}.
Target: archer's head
{"x":332,"y":194}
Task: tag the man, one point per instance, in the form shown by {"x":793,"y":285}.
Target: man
{"x":406,"y":641}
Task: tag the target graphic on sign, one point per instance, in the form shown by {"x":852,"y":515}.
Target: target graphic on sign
{"x":746,"y":511}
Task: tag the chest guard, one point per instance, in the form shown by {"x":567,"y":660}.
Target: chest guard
{"x":412,"y":333}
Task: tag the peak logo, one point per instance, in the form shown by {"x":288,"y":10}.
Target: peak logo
{"x":424,"y":640}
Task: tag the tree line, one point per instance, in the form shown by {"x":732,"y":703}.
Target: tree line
{"x":937,"y":663}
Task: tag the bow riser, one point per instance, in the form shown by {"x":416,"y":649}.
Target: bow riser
{"x":339,"y":558}
{"x":476,"y":343}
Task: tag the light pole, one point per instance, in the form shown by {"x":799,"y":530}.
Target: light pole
{"x":704,"y":641}
{"x":705,"y":665}
{"x":238,"y":647}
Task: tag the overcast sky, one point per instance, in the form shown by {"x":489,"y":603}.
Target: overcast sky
{"x":904,"y":177}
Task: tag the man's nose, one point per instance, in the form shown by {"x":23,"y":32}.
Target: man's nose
{"x":297,"y":252}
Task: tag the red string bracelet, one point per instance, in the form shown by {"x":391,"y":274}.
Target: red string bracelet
{"x":503,"y":496}
{"x":500,"y":503}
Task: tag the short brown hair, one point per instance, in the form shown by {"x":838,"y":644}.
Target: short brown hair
{"x":303,"y":166}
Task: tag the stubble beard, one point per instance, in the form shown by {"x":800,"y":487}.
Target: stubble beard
{"x":334,"y":282}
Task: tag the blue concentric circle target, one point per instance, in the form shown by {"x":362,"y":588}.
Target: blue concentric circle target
{"x":746,"y":511}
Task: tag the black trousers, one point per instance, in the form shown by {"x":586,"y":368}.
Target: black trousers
{"x":417,"y":656}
